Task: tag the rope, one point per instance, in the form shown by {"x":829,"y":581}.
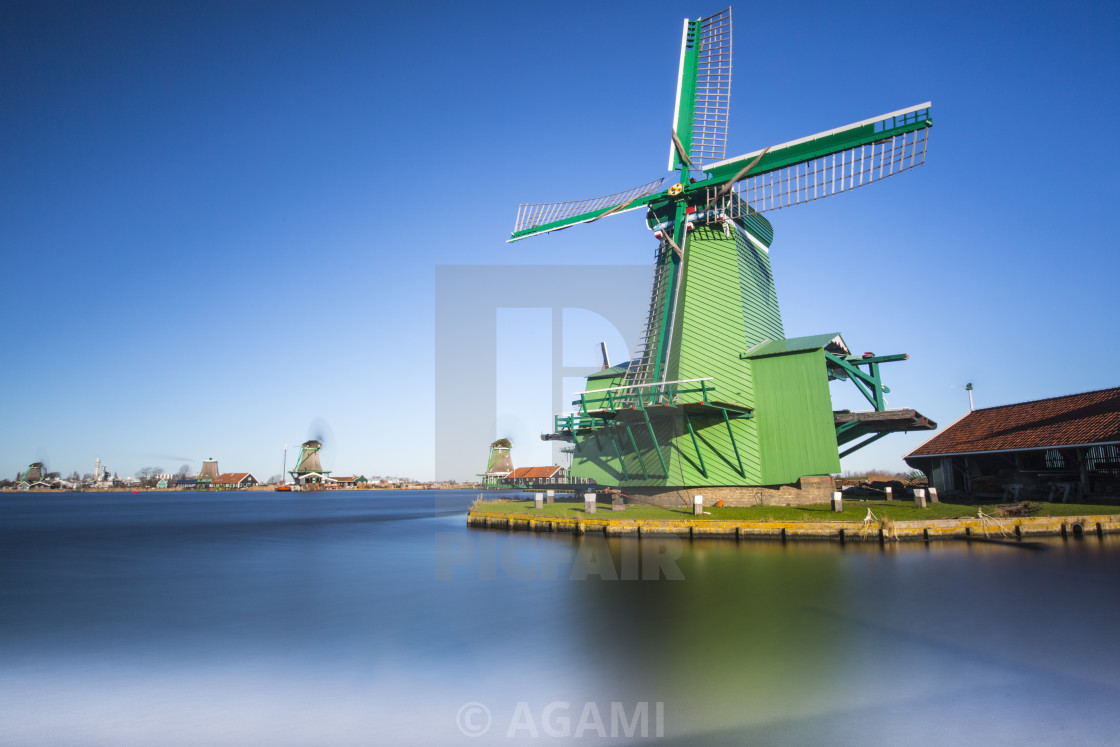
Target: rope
{"x":868,"y":522}
{"x":984,"y":519}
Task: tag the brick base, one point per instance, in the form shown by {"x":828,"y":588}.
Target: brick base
{"x":806,"y":490}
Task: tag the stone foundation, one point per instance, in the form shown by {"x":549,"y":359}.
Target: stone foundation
{"x":806,"y":490}
{"x":1003,"y":531}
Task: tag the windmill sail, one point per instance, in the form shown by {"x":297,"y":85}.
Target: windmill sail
{"x":712,"y":105}
{"x":827,"y":163}
{"x":703,"y":92}
{"x":644,"y":369}
{"x":552,"y":216}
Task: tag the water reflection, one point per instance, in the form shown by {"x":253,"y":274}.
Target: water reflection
{"x":793,"y":642}
{"x":373,"y":618}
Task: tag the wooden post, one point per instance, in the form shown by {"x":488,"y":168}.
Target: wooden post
{"x":589,"y":503}
{"x":1083,"y":472}
{"x":837,"y":501}
{"x":697,"y":505}
{"x":919,"y":498}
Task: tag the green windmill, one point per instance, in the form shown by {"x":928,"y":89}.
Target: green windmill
{"x":716,"y":397}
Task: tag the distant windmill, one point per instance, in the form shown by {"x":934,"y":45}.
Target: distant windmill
{"x":308,"y":469}
{"x":706,"y":400}
{"x":500,"y":462}
{"x":34,"y":473}
{"x":209,"y":471}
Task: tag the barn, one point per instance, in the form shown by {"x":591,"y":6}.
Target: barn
{"x":1049,"y":449}
{"x":526,"y":476}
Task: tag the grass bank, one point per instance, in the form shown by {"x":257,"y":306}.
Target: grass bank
{"x":854,"y":510}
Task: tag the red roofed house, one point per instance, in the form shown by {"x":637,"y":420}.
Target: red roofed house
{"x":535,"y":476}
{"x":234,"y":481}
{"x":1048,"y":448}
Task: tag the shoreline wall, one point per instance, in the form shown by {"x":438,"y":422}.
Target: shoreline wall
{"x":844,"y":531}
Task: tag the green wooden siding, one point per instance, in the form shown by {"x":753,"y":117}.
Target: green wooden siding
{"x":709,"y":333}
{"x":761,"y":318}
{"x":718,"y":455}
{"x":596,"y":456}
{"x":792,"y":433}
{"x":612,"y":377}
{"x":793,"y":410}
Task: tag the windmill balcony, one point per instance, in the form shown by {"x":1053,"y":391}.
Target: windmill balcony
{"x":640,"y":396}
{"x":602,"y":408}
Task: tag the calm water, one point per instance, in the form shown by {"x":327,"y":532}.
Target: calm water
{"x":377,"y":617}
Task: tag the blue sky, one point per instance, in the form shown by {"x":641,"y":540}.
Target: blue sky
{"x":220,"y":222}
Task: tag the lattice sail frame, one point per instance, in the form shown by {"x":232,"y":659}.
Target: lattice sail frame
{"x":838,"y":171}
{"x":542,"y":213}
{"x":644,"y":364}
{"x":713,"y":90}
{"x":829,"y":175}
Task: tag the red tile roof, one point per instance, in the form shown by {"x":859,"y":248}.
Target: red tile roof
{"x":230,"y":478}
{"x":1089,"y":418}
{"x":522,"y":473}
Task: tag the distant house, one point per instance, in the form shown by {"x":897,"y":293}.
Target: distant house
{"x":313,"y":478}
{"x":1047,"y":448}
{"x":162,"y":484}
{"x":535,"y":476}
{"x":187,"y":483}
{"x":234,"y":481}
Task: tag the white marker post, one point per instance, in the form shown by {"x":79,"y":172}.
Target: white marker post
{"x":919,"y":498}
{"x":697,"y":505}
{"x":837,"y":501}
{"x":538,"y":500}
{"x":550,"y":496}
{"x":890,"y":492}
{"x":933,"y":496}
{"x":589,"y":503}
